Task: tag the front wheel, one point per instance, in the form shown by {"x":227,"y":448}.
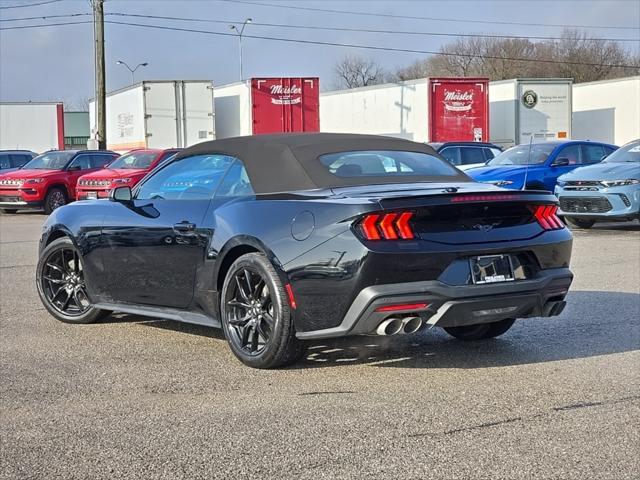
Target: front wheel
{"x":55,"y":198}
{"x":60,"y":284}
{"x":580,"y":223}
{"x":481,"y":331}
{"x":256,"y":316}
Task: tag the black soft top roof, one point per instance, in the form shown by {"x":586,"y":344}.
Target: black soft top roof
{"x":289,"y":162}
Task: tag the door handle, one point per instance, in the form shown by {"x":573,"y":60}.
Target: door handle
{"x":184,"y":226}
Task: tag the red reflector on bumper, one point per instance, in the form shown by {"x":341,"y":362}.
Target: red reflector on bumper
{"x":402,"y":306}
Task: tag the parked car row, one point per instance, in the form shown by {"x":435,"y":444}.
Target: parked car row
{"x":594,"y":181}
{"x":57,"y":177}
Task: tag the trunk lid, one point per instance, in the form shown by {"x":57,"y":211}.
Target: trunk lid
{"x":456,"y":214}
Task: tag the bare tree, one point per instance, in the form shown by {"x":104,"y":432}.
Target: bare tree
{"x":354,"y":71}
{"x":574,"y":55}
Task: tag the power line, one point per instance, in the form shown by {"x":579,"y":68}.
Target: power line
{"x":363,"y":30}
{"x":30,"y":4}
{"x":316,"y":27}
{"x":334,"y":44}
{"x":366,"y":47}
{"x":22,"y":27}
{"x":45,"y":17}
{"x":413,"y":17}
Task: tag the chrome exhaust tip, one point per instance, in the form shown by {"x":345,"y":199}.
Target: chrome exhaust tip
{"x":390,"y":326}
{"x":411,"y":324}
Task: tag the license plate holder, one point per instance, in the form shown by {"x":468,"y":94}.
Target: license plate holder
{"x":92,"y":195}
{"x":491,"y":269}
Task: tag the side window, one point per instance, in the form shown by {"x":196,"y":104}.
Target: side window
{"x":5,"y":161}
{"x":83,"y":160}
{"x":190,"y":178}
{"x":166,"y":155}
{"x":572,"y":152}
{"x":592,"y":153}
{"x":608,"y":150}
{"x":469,"y":155}
{"x":100,"y":160}
{"x":491,"y":153}
{"x":236,"y":182}
{"x":17,"y":160}
{"x":451,"y":154}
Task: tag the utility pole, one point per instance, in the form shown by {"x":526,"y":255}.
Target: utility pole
{"x":101,"y":103}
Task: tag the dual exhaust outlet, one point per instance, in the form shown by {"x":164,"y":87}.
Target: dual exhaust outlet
{"x":395,"y":325}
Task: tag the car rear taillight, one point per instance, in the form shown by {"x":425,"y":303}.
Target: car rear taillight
{"x":387,"y":226}
{"x":546,"y":216}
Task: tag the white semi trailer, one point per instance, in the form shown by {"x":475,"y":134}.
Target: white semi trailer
{"x":524,"y":107}
{"x":159,"y":114}
{"x":32,"y":126}
{"x":607,"y":111}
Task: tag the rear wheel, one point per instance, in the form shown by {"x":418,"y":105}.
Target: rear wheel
{"x":580,"y":223}
{"x":60,"y":284}
{"x":8,"y":210}
{"x":256,"y":316}
{"x":481,"y":331}
{"x":55,"y":199}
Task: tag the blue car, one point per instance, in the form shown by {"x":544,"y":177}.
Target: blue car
{"x":537,"y":167}
{"x":608,"y":191}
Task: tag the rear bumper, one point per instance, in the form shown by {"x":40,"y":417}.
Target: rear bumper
{"x":451,"y":306}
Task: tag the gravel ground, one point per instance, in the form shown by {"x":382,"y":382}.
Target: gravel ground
{"x":137,"y":398}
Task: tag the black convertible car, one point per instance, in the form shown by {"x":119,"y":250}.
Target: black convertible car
{"x":283,"y":238}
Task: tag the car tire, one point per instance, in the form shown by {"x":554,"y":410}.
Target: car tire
{"x":8,"y":210}
{"x":52,"y":274}
{"x":56,"y":198}
{"x":481,"y":331}
{"x":256,"y":315}
{"x":581,"y":223}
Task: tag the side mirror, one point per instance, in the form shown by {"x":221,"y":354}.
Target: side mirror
{"x":560,"y":162}
{"x":120,"y":194}
{"x":73,"y":168}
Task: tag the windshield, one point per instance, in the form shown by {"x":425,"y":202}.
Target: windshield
{"x":50,"y":161}
{"x":627,"y":153}
{"x":519,"y":155}
{"x":376,"y":163}
{"x":134,"y":160}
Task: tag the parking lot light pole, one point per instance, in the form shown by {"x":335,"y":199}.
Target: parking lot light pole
{"x":240,"y":31}
{"x":132,"y":70}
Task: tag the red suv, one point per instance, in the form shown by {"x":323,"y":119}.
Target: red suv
{"x":49,"y":180}
{"x":127,"y":170}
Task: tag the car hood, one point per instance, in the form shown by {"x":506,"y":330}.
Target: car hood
{"x":114,"y":173}
{"x":497,"y":172}
{"x":604,"y":171}
{"x":25,"y":174}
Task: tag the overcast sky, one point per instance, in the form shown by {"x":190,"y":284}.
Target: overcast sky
{"x":56,"y":63}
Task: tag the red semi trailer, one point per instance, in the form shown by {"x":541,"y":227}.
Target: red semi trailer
{"x":267,"y":105}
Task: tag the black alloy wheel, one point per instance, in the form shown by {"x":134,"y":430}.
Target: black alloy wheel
{"x":256,"y":316}
{"x":55,"y":198}
{"x":250,"y":312}
{"x":61,"y":284}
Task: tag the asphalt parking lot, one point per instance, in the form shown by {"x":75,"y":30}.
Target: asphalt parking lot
{"x":136,"y":398}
